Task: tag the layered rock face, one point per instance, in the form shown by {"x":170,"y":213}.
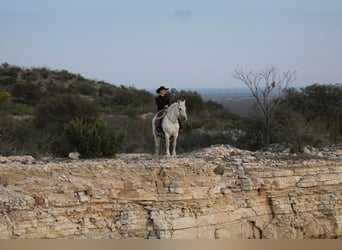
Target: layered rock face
{"x":217,"y":193}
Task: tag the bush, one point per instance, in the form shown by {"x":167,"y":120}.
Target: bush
{"x":17,"y":137}
{"x":298,"y":132}
{"x":4,"y":96}
{"x":59,"y":110}
{"x":219,"y":170}
{"x":93,"y":139}
{"x":28,"y":93}
{"x":7,"y":80}
{"x":253,"y":131}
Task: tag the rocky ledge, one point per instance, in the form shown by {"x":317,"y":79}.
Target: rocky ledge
{"x":216,"y":193}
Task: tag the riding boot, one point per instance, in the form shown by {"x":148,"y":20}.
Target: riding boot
{"x":158,"y":124}
{"x":159,"y":128}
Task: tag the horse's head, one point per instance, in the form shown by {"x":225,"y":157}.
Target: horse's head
{"x":182,"y":110}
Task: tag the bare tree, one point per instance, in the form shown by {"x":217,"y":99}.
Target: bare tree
{"x":266,"y":87}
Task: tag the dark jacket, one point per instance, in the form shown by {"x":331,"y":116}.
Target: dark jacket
{"x":161,"y":101}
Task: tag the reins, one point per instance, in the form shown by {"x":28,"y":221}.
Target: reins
{"x":167,"y":115}
{"x":163,"y":113}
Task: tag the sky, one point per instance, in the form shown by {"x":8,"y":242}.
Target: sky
{"x":187,"y":44}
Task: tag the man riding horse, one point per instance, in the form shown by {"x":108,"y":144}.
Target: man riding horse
{"x":163,"y":103}
{"x":170,"y":126}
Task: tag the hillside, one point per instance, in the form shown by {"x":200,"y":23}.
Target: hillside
{"x":29,"y":86}
{"x":216,"y":193}
{"x":43,"y":101}
{"x":43,"y":112}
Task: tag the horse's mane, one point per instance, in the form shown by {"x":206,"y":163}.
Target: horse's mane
{"x":173,"y":104}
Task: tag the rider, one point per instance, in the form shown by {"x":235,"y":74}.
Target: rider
{"x":163,"y":102}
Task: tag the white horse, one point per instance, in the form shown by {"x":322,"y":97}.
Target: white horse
{"x":170,"y":126}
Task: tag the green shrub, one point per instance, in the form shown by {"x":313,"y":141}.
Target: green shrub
{"x":7,"y":80}
{"x":28,"y":93}
{"x":112,"y":142}
{"x":105,"y":90}
{"x":17,"y":137}
{"x":57,"y":111}
{"x":219,"y":170}
{"x":93,"y":139}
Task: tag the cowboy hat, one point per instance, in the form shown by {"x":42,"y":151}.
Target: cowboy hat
{"x":161,"y":88}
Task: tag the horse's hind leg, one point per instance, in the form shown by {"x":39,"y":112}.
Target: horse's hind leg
{"x":157,"y":144}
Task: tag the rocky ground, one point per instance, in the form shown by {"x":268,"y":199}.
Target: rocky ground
{"x":216,"y":193}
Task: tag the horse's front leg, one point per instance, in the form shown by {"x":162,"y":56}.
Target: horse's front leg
{"x":174,"y":144}
{"x":167,"y":144}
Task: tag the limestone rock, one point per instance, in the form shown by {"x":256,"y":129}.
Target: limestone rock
{"x":74,"y":155}
{"x":259,"y":195}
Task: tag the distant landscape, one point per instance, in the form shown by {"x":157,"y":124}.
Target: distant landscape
{"x":237,"y":100}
